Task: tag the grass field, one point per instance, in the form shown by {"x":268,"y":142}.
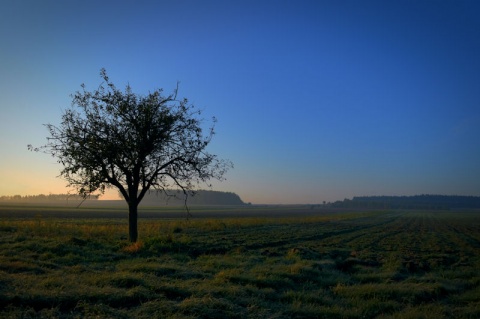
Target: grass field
{"x":318,"y":264}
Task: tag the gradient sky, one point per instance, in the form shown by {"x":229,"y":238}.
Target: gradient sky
{"x":316,"y":100}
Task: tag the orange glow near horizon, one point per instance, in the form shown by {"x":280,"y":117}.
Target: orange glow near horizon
{"x":110,"y":194}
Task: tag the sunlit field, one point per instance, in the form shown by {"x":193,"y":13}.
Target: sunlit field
{"x":300,"y":263}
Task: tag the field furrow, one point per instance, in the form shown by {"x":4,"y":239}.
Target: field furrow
{"x":398,"y":264}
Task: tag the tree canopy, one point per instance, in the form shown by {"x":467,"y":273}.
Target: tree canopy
{"x":114,"y":138}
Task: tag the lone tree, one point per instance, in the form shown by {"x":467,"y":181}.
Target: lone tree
{"x":136,"y":143}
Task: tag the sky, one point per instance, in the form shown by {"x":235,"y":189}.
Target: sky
{"x":315,"y":100}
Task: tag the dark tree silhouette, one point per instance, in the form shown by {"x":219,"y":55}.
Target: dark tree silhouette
{"x":110,"y":138}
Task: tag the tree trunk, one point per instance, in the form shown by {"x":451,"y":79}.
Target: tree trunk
{"x":132,"y":221}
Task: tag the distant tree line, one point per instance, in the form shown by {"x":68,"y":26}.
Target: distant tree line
{"x":411,"y":202}
{"x":45,"y":198}
{"x":200,"y":197}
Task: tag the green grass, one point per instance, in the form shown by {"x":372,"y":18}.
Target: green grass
{"x":329,"y":265}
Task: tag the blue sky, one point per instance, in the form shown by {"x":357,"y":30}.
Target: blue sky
{"x":316,"y":100}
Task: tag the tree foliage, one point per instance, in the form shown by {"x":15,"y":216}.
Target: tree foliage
{"x":132,"y":142}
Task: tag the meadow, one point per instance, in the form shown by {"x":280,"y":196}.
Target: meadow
{"x":274,"y":262}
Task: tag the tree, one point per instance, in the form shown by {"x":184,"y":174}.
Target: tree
{"x":136,"y":143}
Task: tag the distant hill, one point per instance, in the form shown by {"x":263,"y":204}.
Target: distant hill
{"x":41,"y":198}
{"x":411,"y":202}
{"x":201,"y":197}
